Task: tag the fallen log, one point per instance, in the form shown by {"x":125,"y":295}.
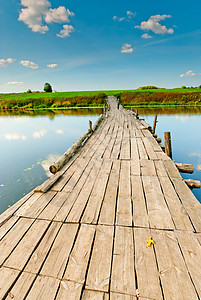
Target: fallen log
{"x":72,"y":150}
{"x":193,"y":183}
{"x":185,"y":168}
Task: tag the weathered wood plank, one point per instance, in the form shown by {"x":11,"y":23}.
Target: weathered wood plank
{"x":149,"y":148}
{"x":123,"y":277}
{"x":146,"y":266}
{"x":39,"y":255}
{"x":107,"y":214}
{"x":42,"y":287}
{"x":81,"y":201}
{"x":124,"y":210}
{"x":115,"y":296}
{"x":160,"y":168}
{"x":95,"y":200}
{"x":13,"y":237}
{"x":190,"y":203}
{"x":141,"y":149}
{"x":7,"y":278}
{"x":22,"y":210}
{"x":178,"y":212}
{"x":78,"y":260}
{"x":135,"y":167}
{"x":140,"y":215}
{"x":191,"y":250}
{"x":7,"y":226}
{"x":56,"y":261}
{"x":24,"y":249}
{"x":69,"y":290}
{"x":158,"y":212}
{"x":100,"y":264}
{"x":21,"y":287}
{"x":93,"y":295}
{"x":172,"y":268}
{"x":147,"y":167}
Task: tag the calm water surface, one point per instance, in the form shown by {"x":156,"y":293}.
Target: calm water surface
{"x":29,"y":144}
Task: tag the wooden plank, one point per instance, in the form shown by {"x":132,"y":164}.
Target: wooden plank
{"x":172,"y":268}
{"x":7,"y":226}
{"x":22,"y":210}
{"x":190,"y":203}
{"x":10,"y":211}
{"x":191,"y":250}
{"x":51,"y":210}
{"x":39,"y":255}
{"x":135,"y":167}
{"x":107,"y":214}
{"x":98,"y":276}
{"x":7,"y":278}
{"x":78,"y":260}
{"x":24,"y":249}
{"x":162,"y":156}
{"x":117,"y":146}
{"x":96,"y":198}
{"x":13,"y":237}
{"x":149,"y":148}
{"x":141,"y":149}
{"x":34,"y":209}
{"x":81,"y":201}
{"x":147,"y":167}
{"x":146,"y":266}
{"x":45,"y":186}
{"x":123,"y":277}
{"x":160,"y":168}
{"x":56,"y":261}
{"x":93,"y":295}
{"x":171,"y":169}
{"x":158,"y":212}
{"x":63,"y":212}
{"x":178,"y":212}
{"x":124,"y":210}
{"x":42,"y":287}
{"x":134,"y":149}
{"x":21,"y":287}
{"x":140,"y":215}
{"x":69,"y":290}
{"x":116,"y":296}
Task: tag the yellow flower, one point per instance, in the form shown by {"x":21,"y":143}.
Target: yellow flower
{"x":150,"y":241}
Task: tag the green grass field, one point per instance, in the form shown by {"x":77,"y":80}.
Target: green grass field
{"x":37,"y":95}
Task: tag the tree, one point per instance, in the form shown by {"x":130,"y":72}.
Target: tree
{"x":29,"y":91}
{"x":47,"y":88}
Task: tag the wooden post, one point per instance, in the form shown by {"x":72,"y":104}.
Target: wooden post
{"x":104,"y":109}
{"x":90,"y":126}
{"x":136,"y":113}
{"x":132,"y":108}
{"x":154,"y":126}
{"x":167,"y":141}
{"x":185,"y":168}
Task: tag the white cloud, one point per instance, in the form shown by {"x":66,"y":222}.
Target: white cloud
{"x":67,"y":29}
{"x":14,"y":136}
{"x":127,"y":48}
{"x":59,"y":131}
{"x":15,"y":83}
{"x":38,"y":12}
{"x":146,"y":36}
{"x":154,"y":25}
{"x":52,"y":66}
{"x":29,"y":64}
{"x":6,"y":62}
{"x":129,"y":15}
{"x":188,"y":74}
{"x":58,"y":15}
{"x":39,"y":134}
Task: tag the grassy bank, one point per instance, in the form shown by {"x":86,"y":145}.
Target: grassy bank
{"x":138,"y":98}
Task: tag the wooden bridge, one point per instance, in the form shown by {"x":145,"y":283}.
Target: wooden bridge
{"x":86,"y":237}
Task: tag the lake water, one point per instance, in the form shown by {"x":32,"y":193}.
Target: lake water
{"x":30,"y":143}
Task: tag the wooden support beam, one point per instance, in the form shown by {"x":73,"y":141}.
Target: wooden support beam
{"x":90,"y":126}
{"x":155,"y":135}
{"x":158,"y":140}
{"x":154,"y":126}
{"x":185,"y":168}
{"x":167,"y":140}
{"x":193,"y":183}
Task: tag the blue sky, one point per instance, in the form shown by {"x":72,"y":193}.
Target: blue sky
{"x":90,"y":45}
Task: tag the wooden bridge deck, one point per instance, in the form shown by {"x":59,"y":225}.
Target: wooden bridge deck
{"x":86,"y":238}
